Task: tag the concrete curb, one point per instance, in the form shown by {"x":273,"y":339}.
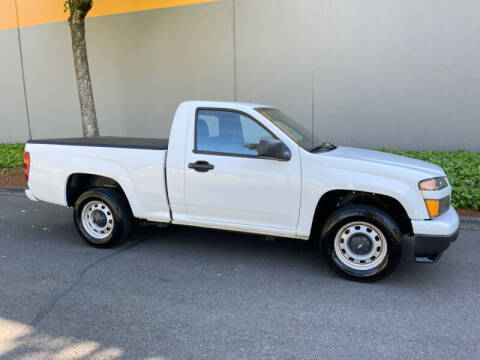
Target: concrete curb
{"x":466,"y":222}
{"x":7,"y":190}
{"x":469,"y":223}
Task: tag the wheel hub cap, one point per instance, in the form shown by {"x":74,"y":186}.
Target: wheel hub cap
{"x":360,"y":245}
{"x":97,"y":220}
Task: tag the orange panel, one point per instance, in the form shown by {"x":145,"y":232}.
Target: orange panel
{"x":108,"y":7}
{"x":8,"y":16}
{"x":31,"y":12}
{"x":35,"y":12}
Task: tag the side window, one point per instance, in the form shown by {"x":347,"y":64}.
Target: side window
{"x":228,"y":132}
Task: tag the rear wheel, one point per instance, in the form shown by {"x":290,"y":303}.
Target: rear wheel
{"x":103,"y":217}
{"x":361,"y":243}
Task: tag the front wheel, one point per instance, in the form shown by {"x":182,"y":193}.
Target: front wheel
{"x":361,"y":243}
{"x":103,"y":217}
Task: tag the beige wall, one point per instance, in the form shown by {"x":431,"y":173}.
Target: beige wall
{"x":399,"y":74}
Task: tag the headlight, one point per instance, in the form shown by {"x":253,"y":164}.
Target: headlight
{"x":435,"y":207}
{"x":438,"y":183}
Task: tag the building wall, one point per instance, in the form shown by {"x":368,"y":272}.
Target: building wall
{"x":400,"y":74}
{"x":13,"y":118}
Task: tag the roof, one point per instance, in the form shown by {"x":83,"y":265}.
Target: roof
{"x":228,"y":104}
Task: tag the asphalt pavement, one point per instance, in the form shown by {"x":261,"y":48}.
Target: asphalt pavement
{"x":188,"y":293}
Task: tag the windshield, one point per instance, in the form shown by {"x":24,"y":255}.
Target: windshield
{"x":293,"y":129}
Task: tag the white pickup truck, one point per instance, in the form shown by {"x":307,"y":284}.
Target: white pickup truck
{"x":250,"y":168}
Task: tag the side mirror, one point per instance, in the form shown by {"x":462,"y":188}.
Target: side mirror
{"x":273,"y":149}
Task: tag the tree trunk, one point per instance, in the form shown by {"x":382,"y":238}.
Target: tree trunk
{"x":85,"y":92}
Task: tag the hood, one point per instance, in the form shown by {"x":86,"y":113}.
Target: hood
{"x":378,"y":157}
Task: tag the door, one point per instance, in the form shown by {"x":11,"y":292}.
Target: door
{"x":228,"y":185}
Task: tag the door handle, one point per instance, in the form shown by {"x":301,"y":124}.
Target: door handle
{"x":201,"y":166}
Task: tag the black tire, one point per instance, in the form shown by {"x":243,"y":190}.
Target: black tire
{"x":119,"y":215}
{"x":350,"y":214}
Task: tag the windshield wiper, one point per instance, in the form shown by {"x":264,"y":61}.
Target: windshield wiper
{"x":326,"y":146}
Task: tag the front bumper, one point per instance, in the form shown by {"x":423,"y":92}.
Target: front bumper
{"x":429,"y":248}
{"x":433,"y":237}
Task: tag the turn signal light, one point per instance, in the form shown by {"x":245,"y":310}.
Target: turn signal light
{"x":433,"y":207}
{"x":26,"y":164}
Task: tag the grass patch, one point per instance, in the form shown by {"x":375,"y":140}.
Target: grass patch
{"x":462,"y":169}
{"x":11,"y":155}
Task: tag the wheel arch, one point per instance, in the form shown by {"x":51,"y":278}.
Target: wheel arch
{"x":78,"y":183}
{"x":334,"y":199}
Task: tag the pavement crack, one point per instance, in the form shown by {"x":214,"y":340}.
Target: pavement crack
{"x":79,"y":277}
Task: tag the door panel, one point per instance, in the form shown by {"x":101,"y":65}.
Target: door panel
{"x":241,"y":188}
{"x":244,"y":191}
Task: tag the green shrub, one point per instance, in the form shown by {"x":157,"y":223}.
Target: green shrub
{"x":462,"y":169}
{"x":11,"y":155}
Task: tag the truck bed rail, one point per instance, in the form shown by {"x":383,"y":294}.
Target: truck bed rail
{"x":109,"y":141}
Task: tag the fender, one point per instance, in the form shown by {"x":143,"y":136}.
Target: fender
{"x":314,"y":187}
{"x":119,"y":175}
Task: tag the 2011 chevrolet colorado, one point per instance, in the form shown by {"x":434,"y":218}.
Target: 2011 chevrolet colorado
{"x":250,"y":168}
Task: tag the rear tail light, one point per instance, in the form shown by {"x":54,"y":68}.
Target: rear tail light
{"x":26,"y":164}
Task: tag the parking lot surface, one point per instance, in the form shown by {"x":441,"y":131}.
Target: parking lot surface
{"x":188,"y":293}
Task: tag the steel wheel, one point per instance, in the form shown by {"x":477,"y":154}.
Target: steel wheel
{"x":360,"y":245}
{"x":97,"y":220}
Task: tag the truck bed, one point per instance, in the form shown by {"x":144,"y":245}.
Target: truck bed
{"x":109,"y":141}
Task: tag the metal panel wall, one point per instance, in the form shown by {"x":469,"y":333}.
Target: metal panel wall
{"x":13,"y":117}
{"x":400,"y":74}
{"x":375,"y":73}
